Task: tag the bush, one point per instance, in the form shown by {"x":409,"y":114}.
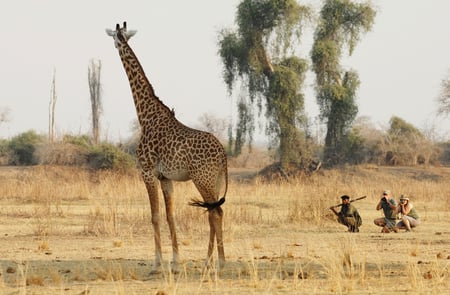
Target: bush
{"x":83,"y":141}
{"x":29,"y":148}
{"x":62,"y":153}
{"x":444,"y":155}
{"x":22,"y":148}
{"x":107,"y":156}
{"x":4,"y":151}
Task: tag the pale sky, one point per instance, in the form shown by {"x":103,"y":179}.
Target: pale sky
{"x":401,"y":62}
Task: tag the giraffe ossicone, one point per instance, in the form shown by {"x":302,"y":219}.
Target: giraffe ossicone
{"x":124,"y":33}
{"x":170,"y":151}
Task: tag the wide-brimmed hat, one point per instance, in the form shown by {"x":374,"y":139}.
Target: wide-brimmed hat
{"x":344,"y":197}
{"x":387,"y":192}
{"x":404,"y":198}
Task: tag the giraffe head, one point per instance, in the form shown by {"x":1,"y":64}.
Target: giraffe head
{"x":120,"y":35}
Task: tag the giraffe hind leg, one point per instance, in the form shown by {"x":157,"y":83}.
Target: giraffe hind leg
{"x":212,"y":236}
{"x":213,"y":205}
{"x":215,"y":235}
{"x":215,"y":216}
{"x":218,"y":218}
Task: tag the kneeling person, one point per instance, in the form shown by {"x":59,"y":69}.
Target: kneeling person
{"x":410,"y":218}
{"x":349,"y":215}
{"x":389,"y":205}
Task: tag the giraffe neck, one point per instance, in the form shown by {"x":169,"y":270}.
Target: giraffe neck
{"x":146,"y":102}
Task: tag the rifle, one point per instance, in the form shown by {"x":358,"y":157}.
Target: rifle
{"x":351,"y":201}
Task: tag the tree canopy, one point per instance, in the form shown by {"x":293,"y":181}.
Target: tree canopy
{"x":341,"y":24}
{"x":260,"y":54}
{"x":443,"y":99}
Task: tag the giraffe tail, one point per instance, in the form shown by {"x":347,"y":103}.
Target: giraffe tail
{"x":208,"y":206}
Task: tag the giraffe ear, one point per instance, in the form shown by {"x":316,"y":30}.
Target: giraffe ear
{"x":130,"y":33}
{"x":109,"y":32}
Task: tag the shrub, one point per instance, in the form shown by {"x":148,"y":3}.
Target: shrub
{"x":83,"y":141}
{"x":107,"y":156}
{"x":62,"y":153}
{"x":4,"y":150}
{"x":22,"y":148}
{"x":444,"y":155}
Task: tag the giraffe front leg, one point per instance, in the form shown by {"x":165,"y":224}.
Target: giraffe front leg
{"x":156,"y":267}
{"x":151,"y":186}
{"x":167,"y":189}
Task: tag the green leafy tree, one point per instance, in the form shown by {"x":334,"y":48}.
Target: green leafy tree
{"x":341,"y":24}
{"x":260,"y":54}
{"x":400,"y":129}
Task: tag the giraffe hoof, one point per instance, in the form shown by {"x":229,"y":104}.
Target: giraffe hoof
{"x":155,"y":271}
{"x":222,"y":264}
{"x":175,"y":266}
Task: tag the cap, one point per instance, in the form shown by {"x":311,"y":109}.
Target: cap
{"x":345,"y":197}
{"x":387,"y":192}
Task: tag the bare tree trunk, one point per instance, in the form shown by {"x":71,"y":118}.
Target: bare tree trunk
{"x":94,"y":70}
{"x":51,"y":109}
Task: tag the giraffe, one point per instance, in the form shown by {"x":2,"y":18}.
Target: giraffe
{"x":170,"y":151}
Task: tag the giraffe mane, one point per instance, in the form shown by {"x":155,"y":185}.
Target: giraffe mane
{"x":148,"y":82}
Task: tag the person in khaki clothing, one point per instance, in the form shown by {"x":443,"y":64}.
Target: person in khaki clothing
{"x":389,"y":206}
{"x":410,"y":218}
{"x":349,"y":215}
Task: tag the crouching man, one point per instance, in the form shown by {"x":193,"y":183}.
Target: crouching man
{"x":348,"y":215}
{"x":389,"y":206}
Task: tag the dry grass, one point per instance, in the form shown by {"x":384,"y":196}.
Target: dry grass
{"x":65,"y":229}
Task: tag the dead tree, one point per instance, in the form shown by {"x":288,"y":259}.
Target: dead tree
{"x":51,"y":109}
{"x":94,"y":70}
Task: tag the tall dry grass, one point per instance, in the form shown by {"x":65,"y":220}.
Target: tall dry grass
{"x":117,"y":204}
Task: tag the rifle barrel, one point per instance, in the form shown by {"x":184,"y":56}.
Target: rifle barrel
{"x":351,"y":201}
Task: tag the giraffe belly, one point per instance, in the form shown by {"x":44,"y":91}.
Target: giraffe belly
{"x":180,"y":175}
{"x":176,"y":174}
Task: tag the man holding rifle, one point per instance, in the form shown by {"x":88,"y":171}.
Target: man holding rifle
{"x":348,"y":215}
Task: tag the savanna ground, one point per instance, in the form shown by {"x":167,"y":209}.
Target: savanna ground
{"x":72,"y":231}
